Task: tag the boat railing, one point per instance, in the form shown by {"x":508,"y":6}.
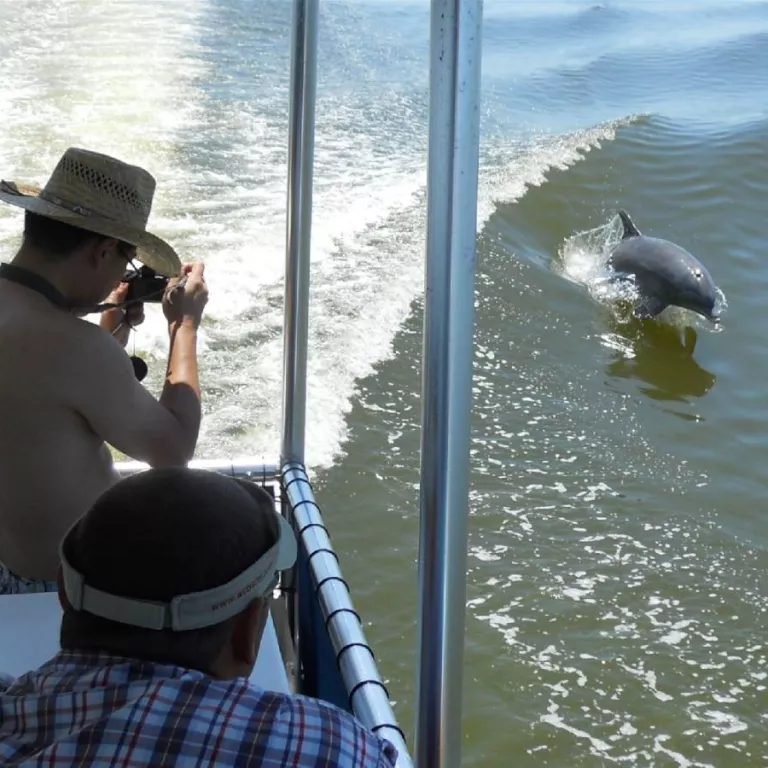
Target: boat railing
{"x":335,"y":661}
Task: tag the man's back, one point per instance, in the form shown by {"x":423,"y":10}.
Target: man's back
{"x":101,"y":710}
{"x":52,"y":464}
{"x":67,"y":388}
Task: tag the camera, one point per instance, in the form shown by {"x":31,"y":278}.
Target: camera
{"x":145,"y":285}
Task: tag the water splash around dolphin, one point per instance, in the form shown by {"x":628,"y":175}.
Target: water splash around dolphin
{"x":585,"y":259}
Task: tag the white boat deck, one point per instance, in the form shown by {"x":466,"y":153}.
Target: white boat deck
{"x":29,"y":636}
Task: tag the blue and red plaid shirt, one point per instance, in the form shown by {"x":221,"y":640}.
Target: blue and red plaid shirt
{"x":95,"y":710}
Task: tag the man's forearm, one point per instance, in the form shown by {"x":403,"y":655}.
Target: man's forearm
{"x":181,"y":392}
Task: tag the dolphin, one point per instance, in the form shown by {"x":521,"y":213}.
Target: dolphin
{"x":665,"y":274}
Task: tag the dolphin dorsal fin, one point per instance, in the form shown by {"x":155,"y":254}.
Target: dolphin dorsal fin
{"x":630,"y":230}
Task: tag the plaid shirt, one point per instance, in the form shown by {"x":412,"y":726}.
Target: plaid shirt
{"x":95,"y":710}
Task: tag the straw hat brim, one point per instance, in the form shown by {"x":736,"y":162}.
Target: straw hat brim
{"x":150,"y":249}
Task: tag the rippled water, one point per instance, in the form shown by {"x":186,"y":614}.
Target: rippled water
{"x":618,"y":556}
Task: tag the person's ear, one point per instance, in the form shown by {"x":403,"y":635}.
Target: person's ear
{"x":99,"y":250}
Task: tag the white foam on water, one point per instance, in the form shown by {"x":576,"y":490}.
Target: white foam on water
{"x":597,"y":746}
{"x":676,"y":757}
{"x":138,"y":80}
{"x":672,"y":654}
{"x":508,"y":171}
{"x":130,"y":79}
{"x":368,"y":248}
{"x":116,"y":78}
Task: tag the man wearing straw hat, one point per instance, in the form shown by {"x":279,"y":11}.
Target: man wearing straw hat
{"x":67,"y":386}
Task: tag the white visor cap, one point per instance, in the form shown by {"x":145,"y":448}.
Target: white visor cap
{"x":191,"y":611}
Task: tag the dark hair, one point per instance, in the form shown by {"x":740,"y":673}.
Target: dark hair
{"x":52,"y":237}
{"x":159,"y":534}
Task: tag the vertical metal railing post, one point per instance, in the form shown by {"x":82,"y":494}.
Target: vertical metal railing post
{"x":300,"y":165}
{"x":454,"y":116}
{"x":301,"y":150}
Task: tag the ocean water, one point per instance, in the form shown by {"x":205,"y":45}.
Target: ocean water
{"x":618,"y":554}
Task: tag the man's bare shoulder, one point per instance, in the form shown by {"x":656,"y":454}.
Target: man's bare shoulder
{"x":83,"y":357}
{"x":57,"y":339}
{"x":90,"y":343}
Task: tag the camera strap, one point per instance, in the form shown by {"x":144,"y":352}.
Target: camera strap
{"x":34,"y":282}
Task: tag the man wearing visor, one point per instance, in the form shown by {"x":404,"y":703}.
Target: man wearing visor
{"x":165,"y":585}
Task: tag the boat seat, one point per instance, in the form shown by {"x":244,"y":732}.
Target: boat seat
{"x":29,"y":636}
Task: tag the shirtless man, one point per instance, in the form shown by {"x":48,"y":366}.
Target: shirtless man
{"x":67,"y":386}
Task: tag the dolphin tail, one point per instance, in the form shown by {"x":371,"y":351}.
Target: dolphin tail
{"x":630,"y":230}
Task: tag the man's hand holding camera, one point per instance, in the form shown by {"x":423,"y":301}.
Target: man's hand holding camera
{"x":185,"y":297}
{"x":119,"y":321}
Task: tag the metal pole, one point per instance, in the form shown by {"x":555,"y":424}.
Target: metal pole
{"x":455,"y":52}
{"x":300,"y":163}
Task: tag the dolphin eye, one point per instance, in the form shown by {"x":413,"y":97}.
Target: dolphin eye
{"x":697,"y":273}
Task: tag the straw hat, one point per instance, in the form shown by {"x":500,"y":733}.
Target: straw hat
{"x":100,"y":194}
